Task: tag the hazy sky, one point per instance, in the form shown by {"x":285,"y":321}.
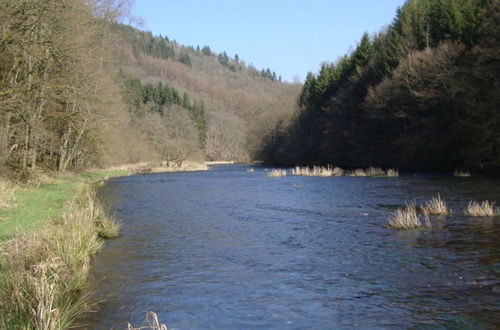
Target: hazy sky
{"x":290,"y":37}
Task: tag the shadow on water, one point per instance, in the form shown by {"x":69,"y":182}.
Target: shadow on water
{"x":233,"y":249}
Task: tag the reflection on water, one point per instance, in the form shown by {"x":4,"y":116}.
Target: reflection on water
{"x":233,"y":249}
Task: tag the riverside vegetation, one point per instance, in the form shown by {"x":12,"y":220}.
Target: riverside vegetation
{"x":45,"y":258}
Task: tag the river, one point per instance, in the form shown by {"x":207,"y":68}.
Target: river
{"x":231,"y":249}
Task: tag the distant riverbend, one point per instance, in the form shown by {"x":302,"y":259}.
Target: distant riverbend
{"x":230,"y":249}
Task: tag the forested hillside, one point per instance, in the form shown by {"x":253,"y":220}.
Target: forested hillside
{"x":232,"y":104}
{"x":78,"y":89}
{"x":421,"y":94}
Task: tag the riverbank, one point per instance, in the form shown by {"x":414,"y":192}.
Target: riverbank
{"x":145,"y":167}
{"x":48,"y":237}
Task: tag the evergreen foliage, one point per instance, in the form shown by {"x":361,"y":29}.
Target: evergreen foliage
{"x":157,"y":99}
{"x":423,"y":94}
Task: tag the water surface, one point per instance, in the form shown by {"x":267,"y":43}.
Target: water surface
{"x":229,"y":249}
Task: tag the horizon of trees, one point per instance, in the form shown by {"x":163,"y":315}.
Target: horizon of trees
{"x":421,"y":94}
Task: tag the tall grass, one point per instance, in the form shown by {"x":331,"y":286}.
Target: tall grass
{"x":318,"y":171}
{"x":375,"y":171}
{"x":483,"y":209}
{"x":329,"y":170}
{"x":392,"y":172}
{"x":43,"y":272}
{"x":276,"y":173}
{"x":404,"y":218}
{"x":463,"y":174}
{"x":357,"y":172}
{"x":436,"y":206}
{"x":7,"y":194}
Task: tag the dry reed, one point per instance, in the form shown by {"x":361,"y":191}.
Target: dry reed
{"x":392,"y":172}
{"x":151,"y":322}
{"x":463,"y":174}
{"x":318,"y":171}
{"x":276,"y":173}
{"x":375,"y":171}
{"x":357,"y":172}
{"x":404,"y":218}
{"x":483,"y":209}
{"x":371,"y":171}
{"x":436,"y":206}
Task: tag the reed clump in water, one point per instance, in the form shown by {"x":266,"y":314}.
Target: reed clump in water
{"x":392,"y":172}
{"x":436,"y":206}
{"x":357,"y":172}
{"x":43,"y":272}
{"x":462,"y":174}
{"x":404,"y":218}
{"x":318,"y":171}
{"x":150,"y":323}
{"x":373,"y":171}
{"x":483,"y":209}
{"x":276,"y":173}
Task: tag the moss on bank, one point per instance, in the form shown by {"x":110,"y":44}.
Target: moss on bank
{"x":42,"y":271}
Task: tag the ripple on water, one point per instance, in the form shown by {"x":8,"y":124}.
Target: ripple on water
{"x":231,"y":249}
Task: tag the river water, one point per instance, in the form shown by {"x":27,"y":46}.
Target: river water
{"x":231,"y":249}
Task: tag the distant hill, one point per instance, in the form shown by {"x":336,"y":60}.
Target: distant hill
{"x":228,"y":105}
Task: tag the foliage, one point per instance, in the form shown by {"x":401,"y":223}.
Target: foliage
{"x":422,"y":94}
{"x":160,"y":98}
{"x":238,"y":105}
{"x":43,"y":272}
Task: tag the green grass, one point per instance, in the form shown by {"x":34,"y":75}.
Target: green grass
{"x":43,"y":271}
{"x":36,"y":205}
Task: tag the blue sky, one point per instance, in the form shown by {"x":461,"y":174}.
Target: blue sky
{"x":290,"y":37}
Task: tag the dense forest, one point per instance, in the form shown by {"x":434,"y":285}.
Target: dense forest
{"x":421,"y":94}
{"x":78,"y":89}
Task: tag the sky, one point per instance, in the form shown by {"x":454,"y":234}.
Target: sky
{"x":291,"y":37}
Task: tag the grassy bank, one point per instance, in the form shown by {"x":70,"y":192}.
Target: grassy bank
{"x":35,"y":205}
{"x":49,"y":237}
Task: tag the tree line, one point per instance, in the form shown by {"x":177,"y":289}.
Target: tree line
{"x":422,"y":94}
{"x":54,"y":87}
